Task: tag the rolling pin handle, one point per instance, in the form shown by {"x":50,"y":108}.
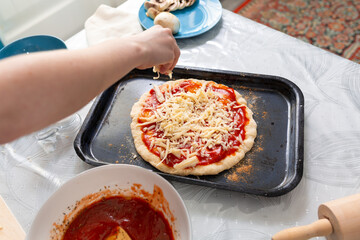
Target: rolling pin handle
{"x":319,"y":228}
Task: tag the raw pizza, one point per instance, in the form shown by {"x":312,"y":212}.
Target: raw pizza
{"x":192,"y":127}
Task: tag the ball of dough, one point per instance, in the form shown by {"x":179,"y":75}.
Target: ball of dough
{"x":168,"y":20}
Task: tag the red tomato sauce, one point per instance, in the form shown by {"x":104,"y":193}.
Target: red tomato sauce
{"x":216,"y":154}
{"x":99,"y":220}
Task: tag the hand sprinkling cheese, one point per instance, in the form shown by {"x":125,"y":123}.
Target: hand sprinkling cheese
{"x":166,"y":20}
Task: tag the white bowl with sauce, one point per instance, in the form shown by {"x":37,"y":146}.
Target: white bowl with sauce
{"x":107,"y":181}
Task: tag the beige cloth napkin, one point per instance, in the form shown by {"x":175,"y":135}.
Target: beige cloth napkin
{"x":108,"y":22}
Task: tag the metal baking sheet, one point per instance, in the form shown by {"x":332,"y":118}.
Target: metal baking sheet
{"x":273,"y":167}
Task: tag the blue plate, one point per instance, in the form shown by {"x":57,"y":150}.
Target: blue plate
{"x":32,"y":44}
{"x":195,"y":20}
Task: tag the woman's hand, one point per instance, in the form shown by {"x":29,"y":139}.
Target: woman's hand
{"x":159,"y":48}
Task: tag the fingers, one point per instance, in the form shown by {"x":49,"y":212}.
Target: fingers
{"x":177,"y":56}
{"x":166,"y":68}
{"x":162,"y":48}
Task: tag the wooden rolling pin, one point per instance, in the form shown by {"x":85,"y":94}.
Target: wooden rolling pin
{"x":338,"y":220}
{"x":10,"y":229}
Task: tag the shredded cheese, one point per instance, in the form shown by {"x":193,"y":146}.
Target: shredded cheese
{"x":190,"y":124}
{"x":156,"y":69}
{"x":190,"y":162}
{"x":159,"y":95}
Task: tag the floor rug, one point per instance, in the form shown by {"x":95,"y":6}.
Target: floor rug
{"x":330,"y":24}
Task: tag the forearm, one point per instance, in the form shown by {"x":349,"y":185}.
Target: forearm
{"x":37,"y":91}
{"x":42,"y":88}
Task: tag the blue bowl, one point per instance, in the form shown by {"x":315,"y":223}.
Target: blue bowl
{"x":32,"y":44}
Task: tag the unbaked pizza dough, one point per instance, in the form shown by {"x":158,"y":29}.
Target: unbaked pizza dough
{"x":192,"y":127}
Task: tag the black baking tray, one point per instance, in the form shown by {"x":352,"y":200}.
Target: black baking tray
{"x":273,"y":167}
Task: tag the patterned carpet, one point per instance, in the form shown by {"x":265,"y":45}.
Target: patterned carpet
{"x":333,"y":25}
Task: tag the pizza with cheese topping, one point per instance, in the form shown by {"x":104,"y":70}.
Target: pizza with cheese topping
{"x":192,"y":127}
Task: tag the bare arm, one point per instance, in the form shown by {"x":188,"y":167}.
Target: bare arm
{"x":41,"y":88}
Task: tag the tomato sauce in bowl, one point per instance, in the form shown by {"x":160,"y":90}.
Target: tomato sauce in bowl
{"x":105,"y":201}
{"x":136,"y":216}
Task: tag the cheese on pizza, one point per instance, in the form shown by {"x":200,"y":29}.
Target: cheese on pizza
{"x":192,"y":127}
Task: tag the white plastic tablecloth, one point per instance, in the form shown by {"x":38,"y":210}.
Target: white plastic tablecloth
{"x":30,"y":172}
